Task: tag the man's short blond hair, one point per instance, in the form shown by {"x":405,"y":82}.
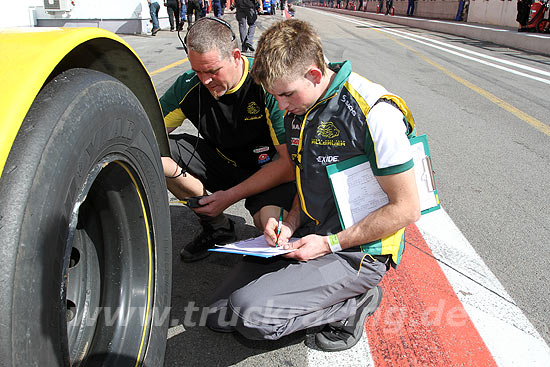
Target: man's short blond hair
{"x":285,"y":51}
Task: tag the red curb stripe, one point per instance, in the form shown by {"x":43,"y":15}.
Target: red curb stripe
{"x":421,"y":321}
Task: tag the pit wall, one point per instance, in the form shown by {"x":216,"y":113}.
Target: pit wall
{"x":496,"y":12}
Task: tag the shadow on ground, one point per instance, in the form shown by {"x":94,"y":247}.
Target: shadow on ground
{"x":192,"y":285}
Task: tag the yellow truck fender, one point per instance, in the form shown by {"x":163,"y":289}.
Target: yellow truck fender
{"x":33,"y":56}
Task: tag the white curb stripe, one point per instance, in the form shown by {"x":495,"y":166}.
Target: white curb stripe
{"x":510,"y":337}
{"x":359,"y":355}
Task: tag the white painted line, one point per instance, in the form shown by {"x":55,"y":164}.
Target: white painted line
{"x":510,"y":337}
{"x":478,"y":54}
{"x":176,"y":330}
{"x":359,"y":355}
{"x":465,"y":25}
{"x":428,"y":42}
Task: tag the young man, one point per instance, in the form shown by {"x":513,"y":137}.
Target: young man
{"x":331,"y":278}
{"x":241,"y":152}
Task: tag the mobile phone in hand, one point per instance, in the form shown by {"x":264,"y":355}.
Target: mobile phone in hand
{"x":193,"y":201}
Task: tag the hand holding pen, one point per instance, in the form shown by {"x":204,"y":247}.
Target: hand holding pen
{"x":276,"y":232}
{"x":279,"y":224}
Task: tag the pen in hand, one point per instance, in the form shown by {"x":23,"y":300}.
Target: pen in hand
{"x":279,"y":227}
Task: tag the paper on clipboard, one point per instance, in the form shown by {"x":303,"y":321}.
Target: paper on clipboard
{"x":257,"y":246}
{"x":357,"y":192}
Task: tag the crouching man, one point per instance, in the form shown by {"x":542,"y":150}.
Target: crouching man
{"x":331,"y":279}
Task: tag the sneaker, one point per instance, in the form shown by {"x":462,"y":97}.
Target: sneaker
{"x":249,"y":46}
{"x":155,"y":31}
{"x":345,"y":334}
{"x":208,"y":238}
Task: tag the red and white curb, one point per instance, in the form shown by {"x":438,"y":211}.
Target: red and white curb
{"x":442,"y":307}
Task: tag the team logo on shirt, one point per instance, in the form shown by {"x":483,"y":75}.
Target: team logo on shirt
{"x":295,"y":141}
{"x":253,"y":108}
{"x":253,"y":111}
{"x":327,"y":159}
{"x":295,"y":125}
{"x":348,"y":105}
{"x":263,"y":158}
{"x":326,"y":131}
{"x":261,"y":149}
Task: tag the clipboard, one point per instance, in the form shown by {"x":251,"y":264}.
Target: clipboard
{"x":357,"y":192}
{"x":425,"y":177}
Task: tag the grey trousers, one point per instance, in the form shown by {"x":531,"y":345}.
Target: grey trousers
{"x":246,"y":18}
{"x":271,"y":298}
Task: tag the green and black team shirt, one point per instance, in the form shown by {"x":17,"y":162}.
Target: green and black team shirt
{"x":345,"y":123}
{"x":243,"y":125}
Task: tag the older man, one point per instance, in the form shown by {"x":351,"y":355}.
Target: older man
{"x":240,"y":152}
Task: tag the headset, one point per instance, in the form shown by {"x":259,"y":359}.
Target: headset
{"x":219,"y":20}
{"x":184,"y":43}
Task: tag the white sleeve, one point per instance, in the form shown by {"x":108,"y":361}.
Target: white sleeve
{"x":389,"y":135}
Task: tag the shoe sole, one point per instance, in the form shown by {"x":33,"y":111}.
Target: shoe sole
{"x":376,"y":292}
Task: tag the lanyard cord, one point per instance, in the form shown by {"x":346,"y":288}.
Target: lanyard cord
{"x":180,"y":160}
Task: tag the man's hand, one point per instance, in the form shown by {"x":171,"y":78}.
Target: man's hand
{"x":308,"y":248}
{"x":270,"y":232}
{"x":214,"y":204}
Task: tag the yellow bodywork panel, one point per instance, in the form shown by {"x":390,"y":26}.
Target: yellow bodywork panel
{"x":31,"y":56}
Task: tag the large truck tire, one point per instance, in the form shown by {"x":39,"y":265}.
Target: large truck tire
{"x":85,"y":259}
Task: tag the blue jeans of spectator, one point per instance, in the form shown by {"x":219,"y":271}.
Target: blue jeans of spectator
{"x":183,"y":13}
{"x":154,"y":12}
{"x":217,"y":8}
{"x":410,"y":8}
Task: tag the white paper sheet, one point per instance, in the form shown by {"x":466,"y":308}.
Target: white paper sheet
{"x":253,"y":246}
{"x":357,"y":192}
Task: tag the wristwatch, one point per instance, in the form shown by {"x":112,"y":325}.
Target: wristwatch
{"x":334,"y":243}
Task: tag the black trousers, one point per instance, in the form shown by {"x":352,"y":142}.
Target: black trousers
{"x":173,"y":12}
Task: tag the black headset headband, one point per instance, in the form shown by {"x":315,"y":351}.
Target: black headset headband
{"x":201,"y":20}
